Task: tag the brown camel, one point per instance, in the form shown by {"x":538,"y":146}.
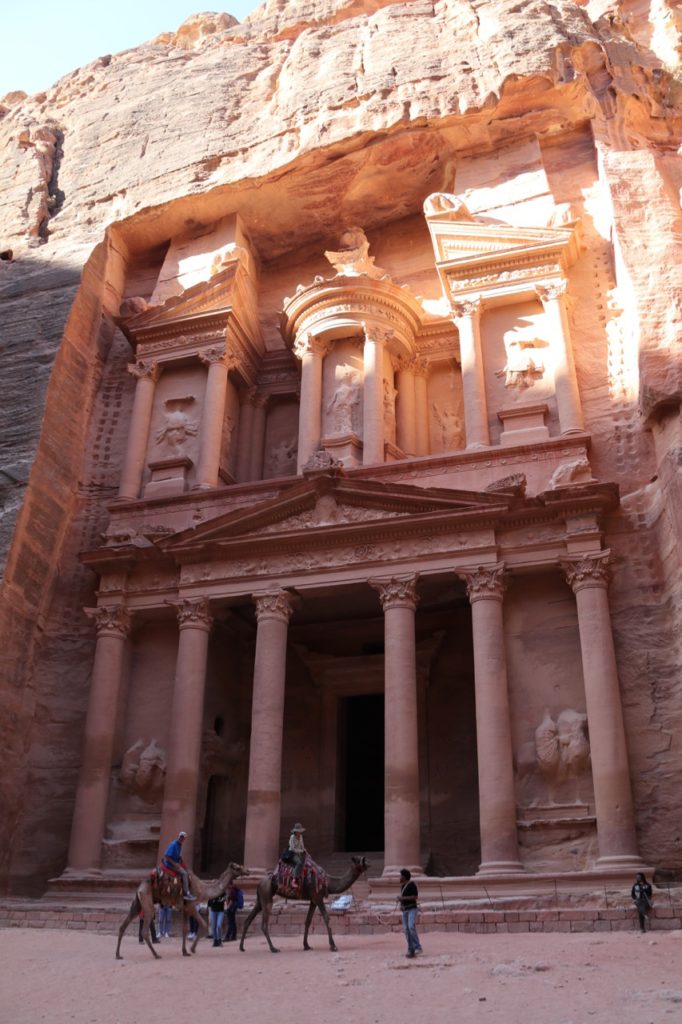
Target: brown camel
{"x":148,"y":895}
{"x":267,"y":889}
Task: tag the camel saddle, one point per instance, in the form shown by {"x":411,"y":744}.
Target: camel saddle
{"x":312,"y":880}
{"x":166,"y":887}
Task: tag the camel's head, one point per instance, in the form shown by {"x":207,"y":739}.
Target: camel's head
{"x":360,"y":864}
{"x":237,"y":869}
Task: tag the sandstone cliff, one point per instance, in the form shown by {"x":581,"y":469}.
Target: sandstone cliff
{"x":309,"y":115}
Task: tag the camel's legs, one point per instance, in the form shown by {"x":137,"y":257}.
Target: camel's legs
{"x":265,"y":924}
{"x":325,"y":918}
{"x":308,"y":920}
{"x":192,"y":912}
{"x":256,"y":910}
{"x":130,"y":916}
{"x":140,"y":903}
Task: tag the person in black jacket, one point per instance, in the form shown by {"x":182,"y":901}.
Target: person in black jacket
{"x":641,"y":894}
{"x":408,"y":905}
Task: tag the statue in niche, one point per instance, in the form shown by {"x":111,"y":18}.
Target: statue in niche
{"x":446,"y":202}
{"x":352,"y":257}
{"x":143,"y":769}
{"x":562,"y":748}
{"x":281,"y":459}
{"x":177,"y":426}
{"x":344,"y":402}
{"x":523,"y":367}
{"x":450,"y":426}
{"x":577,"y":471}
{"x":389,"y":411}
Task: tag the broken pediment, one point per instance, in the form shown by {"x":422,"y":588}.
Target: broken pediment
{"x":333,"y":504}
{"x":478,"y":256}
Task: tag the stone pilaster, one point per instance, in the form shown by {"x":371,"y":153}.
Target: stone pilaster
{"x":406,"y":426}
{"x":467,"y":318}
{"x":588,"y":577}
{"x":373,"y":395}
{"x":402,"y":839}
{"x":552,"y":296}
{"x":92,"y":795}
{"x":219,"y":362}
{"x":311,"y":351}
{"x":421,"y":407}
{"x":496,"y":793}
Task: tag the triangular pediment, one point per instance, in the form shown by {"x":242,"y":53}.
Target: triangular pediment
{"x":332,"y":505}
{"x":469,"y":242}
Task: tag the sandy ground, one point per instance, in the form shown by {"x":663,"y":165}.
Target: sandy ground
{"x":64,"y":976}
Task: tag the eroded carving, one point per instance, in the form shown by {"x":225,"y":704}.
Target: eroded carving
{"x":143,"y":769}
{"x":177,"y":426}
{"x":523,"y":367}
{"x":577,"y":471}
{"x":322,"y":462}
{"x":389,"y":411}
{"x":450,"y":426}
{"x":281,"y":459}
{"x":144,"y":369}
{"x":352,"y":257}
{"x":343,"y":406}
{"x":446,"y":202}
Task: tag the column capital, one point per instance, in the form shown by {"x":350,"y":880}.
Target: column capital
{"x":397,"y":591}
{"x":217,"y":354}
{"x":589,"y":570}
{"x":256,"y":398}
{"x":549,"y":291}
{"x":307,"y":343}
{"x":468,"y":308}
{"x":193,"y":613}
{"x":145,"y":369}
{"x":484,"y":582}
{"x":278,"y":604}
{"x":379,"y":335}
{"x":112,"y":621}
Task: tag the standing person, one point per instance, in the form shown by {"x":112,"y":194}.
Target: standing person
{"x":164,"y":922}
{"x":641,"y":894}
{"x":408,"y":905}
{"x":216,"y":913}
{"x":172,"y":859}
{"x":235,"y":902}
{"x":297,"y":847}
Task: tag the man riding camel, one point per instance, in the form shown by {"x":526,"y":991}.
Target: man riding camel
{"x":172,"y":859}
{"x":297,"y":848}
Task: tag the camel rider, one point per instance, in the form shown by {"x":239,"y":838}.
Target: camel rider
{"x":172,"y":859}
{"x":297,"y":848}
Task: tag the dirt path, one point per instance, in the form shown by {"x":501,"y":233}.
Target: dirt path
{"x":64,"y":977}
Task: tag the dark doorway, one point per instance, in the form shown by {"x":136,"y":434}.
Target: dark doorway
{"x":362,"y":743}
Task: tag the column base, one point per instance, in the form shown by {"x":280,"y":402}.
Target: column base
{"x":620,"y":862}
{"x":393,"y":870}
{"x":500,"y":867}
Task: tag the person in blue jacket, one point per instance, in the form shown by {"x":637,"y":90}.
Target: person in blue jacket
{"x":172,"y":859}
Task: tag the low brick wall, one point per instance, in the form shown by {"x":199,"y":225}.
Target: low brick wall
{"x":287,"y":920}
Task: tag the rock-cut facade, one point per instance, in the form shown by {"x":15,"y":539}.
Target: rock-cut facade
{"x":340,"y":446}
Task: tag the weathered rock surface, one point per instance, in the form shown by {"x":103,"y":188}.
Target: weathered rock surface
{"x":309,"y":116}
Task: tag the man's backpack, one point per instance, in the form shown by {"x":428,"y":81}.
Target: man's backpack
{"x":239,"y":899}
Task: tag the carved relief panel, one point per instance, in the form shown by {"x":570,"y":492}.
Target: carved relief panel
{"x":342,"y":396}
{"x":445,"y":408}
{"x":281,"y":439}
{"x":173,"y":445}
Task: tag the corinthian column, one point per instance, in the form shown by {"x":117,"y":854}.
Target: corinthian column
{"x":588,"y":576}
{"x":467,"y":317}
{"x":401,"y":752}
{"x":496,"y":794}
{"x":311,"y":351}
{"x":187,"y":712}
{"x":373,"y":396}
{"x":259,"y":403}
{"x":406,"y":425}
{"x":273,"y":612}
{"x":421,"y":407}
{"x":92,"y":795}
{"x":565,"y":382}
{"x":219,"y":363}
{"x":147,"y":374}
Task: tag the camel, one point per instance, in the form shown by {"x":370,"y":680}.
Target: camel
{"x":267,"y":889}
{"x":148,"y":894}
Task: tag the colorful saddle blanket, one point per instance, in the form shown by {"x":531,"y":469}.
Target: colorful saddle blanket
{"x":311,"y":883}
{"x":166,"y":886}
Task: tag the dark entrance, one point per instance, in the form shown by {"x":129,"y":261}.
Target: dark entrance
{"x":362,"y":745}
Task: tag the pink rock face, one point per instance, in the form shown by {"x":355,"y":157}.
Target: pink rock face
{"x":284,"y":305}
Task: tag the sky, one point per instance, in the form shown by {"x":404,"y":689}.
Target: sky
{"x":41,"y":40}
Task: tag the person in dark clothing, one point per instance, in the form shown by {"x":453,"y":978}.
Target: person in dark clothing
{"x":408,"y":905}
{"x":641,"y":894}
{"x":216,"y":913}
{"x":231,"y":913}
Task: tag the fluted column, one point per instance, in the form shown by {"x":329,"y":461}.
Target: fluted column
{"x":406,"y":425}
{"x":187,"y":713}
{"x":219,"y":363}
{"x":259,"y":403}
{"x":565,"y":381}
{"x":311,"y":352}
{"x":421,"y":407}
{"x":588,"y":577}
{"x":244,"y":439}
{"x":273,"y":612}
{"x":147,"y":374}
{"x":373,"y":396}
{"x":92,"y":795}
{"x":467,"y":316}
{"x":401,"y":751}
{"x":496,"y":793}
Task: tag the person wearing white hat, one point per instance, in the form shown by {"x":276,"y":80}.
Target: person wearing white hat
{"x":172,"y":859}
{"x":297,"y":847}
